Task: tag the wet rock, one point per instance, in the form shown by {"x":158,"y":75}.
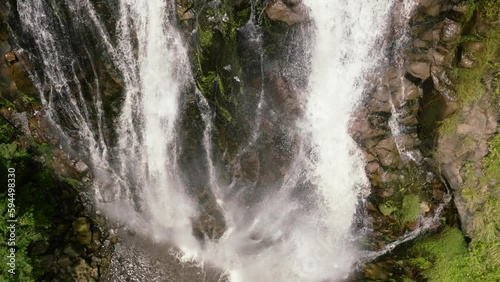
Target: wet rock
{"x":291,"y":14}
{"x":424,"y":207}
{"x":467,"y":61}
{"x":83,"y":271}
{"x":377,"y":271}
{"x":459,"y":12}
{"x":419,"y":43}
{"x":19,"y":66}
{"x":285,"y":96}
{"x":451,"y":31}
{"x":250,"y":166}
{"x":113,"y":240}
{"x":81,"y":224}
{"x":419,"y":69}
{"x":184,"y":13}
{"x":426,"y":3}
{"x":46,"y":261}
{"x":84,"y":238}
{"x":81,"y":167}
{"x":433,"y":11}
{"x":64,"y":261}
{"x":372,"y":167}
{"x":74,"y":250}
{"x":439,"y":57}
{"x":40,"y":248}
{"x":473,"y":46}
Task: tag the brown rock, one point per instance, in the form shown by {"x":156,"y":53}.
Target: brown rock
{"x":433,"y":11}
{"x":438,"y":58}
{"x":372,"y":167}
{"x":426,"y":3}
{"x":473,"y":46}
{"x":419,"y":43}
{"x":376,"y":272}
{"x":419,"y":69}
{"x":18,"y":70}
{"x":467,"y":61}
{"x":183,"y":13}
{"x":451,"y":31}
{"x":279,"y":11}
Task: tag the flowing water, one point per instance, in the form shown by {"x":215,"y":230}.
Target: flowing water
{"x":283,"y":236}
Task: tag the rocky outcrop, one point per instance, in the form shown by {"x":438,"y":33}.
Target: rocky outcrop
{"x":443,"y":102}
{"x":84,"y":254}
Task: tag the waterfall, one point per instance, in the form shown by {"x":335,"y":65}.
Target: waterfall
{"x":141,"y":185}
{"x":285,"y":237}
{"x":281,"y":236}
{"x":155,"y":73}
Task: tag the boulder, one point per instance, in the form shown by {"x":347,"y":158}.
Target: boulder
{"x":433,"y":11}
{"x":291,"y":14}
{"x":420,"y":70}
{"x":467,"y":61}
{"x":74,"y":250}
{"x":184,"y":13}
{"x":451,"y":31}
{"x":473,"y":46}
{"x":84,"y":238}
{"x":81,"y":224}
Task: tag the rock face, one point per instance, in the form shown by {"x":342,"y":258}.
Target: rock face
{"x":396,"y":126}
{"x":444,"y":104}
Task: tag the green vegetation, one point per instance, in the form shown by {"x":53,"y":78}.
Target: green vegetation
{"x":446,"y":258}
{"x":387,"y":208}
{"x":33,"y":199}
{"x":206,"y":37}
{"x":492,"y":161}
{"x":469,"y":82}
{"x":410,"y":209}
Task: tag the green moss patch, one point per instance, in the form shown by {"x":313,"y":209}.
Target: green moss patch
{"x":446,"y":258}
{"x":410,"y":209}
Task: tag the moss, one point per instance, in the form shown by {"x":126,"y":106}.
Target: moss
{"x":205,"y":83}
{"x":225,"y":114}
{"x":410,"y":209}
{"x":452,"y":261}
{"x":387,"y":208}
{"x":448,"y":126}
{"x":421,"y":263}
{"x":446,"y":251}
{"x":469,"y":83}
{"x":205,"y":37}
{"x":492,"y":161}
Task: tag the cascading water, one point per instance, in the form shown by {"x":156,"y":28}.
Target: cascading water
{"x":153,"y":78}
{"x":287,"y":237}
{"x":282,"y":236}
{"x":148,"y":159}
